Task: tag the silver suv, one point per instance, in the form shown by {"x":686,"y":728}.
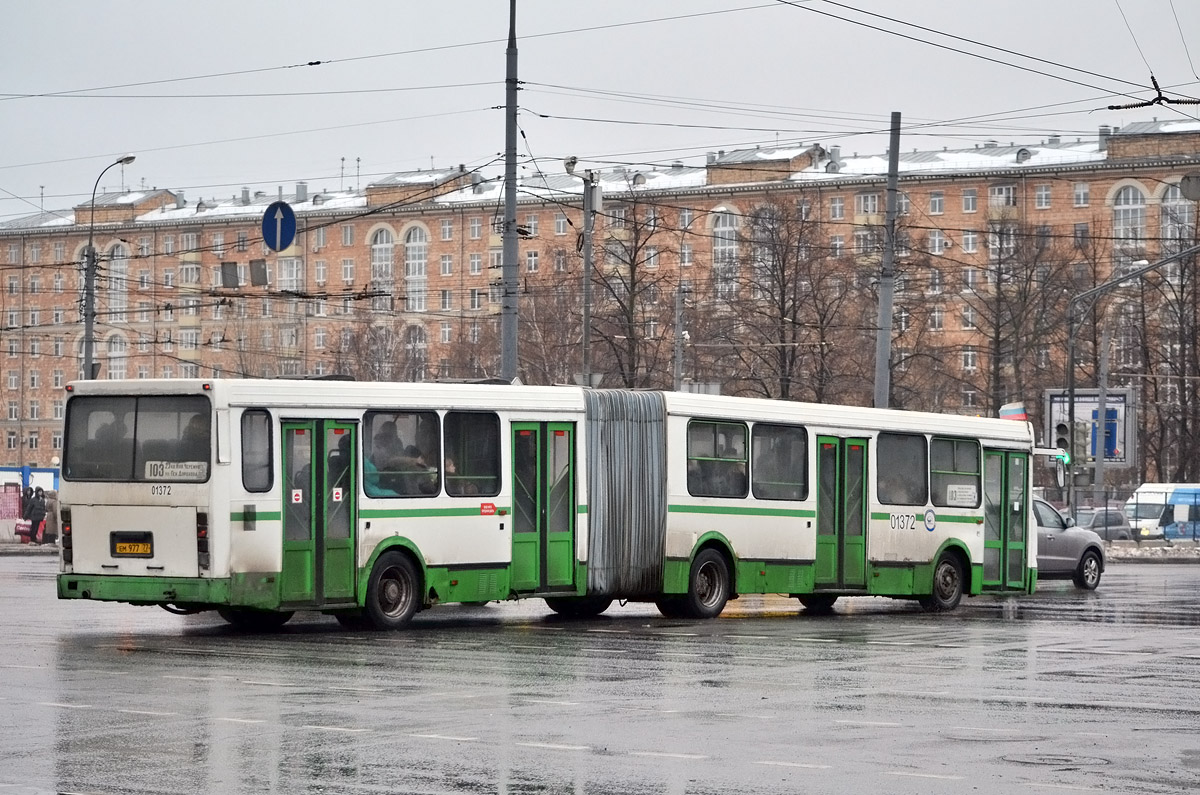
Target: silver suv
{"x":1111,"y":524}
{"x":1066,"y":550}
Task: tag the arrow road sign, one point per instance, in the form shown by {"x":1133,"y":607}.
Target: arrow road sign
{"x":279,"y":226}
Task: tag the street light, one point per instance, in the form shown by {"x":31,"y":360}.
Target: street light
{"x":89,"y":277}
{"x":591,"y":191}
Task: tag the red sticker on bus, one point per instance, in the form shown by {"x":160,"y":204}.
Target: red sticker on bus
{"x":487,"y":509}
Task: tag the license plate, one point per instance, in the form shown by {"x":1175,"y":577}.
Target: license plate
{"x":131,"y":544}
{"x":132,"y":548}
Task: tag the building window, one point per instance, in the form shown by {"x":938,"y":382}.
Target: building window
{"x":651,"y":256}
{"x":935,"y":281}
{"x":903,"y":203}
{"x":382,"y":254}
{"x":1002,"y":196}
{"x":968,"y":318}
{"x":686,"y":255}
{"x":937,"y":318}
{"x":12,"y":439}
{"x":686,"y":216}
{"x":1129,"y":218}
{"x":560,"y":261}
{"x":477,"y":298}
{"x":969,"y":397}
{"x":937,"y":241}
{"x":447,"y":264}
{"x":57,"y":409}
{"x":866,"y":204}
{"x":348,"y":270}
{"x":218,"y":244}
{"x":1177,"y":222}
{"x":531,"y":225}
{"x":447,"y":229}
{"x":970,"y":241}
{"x":560,"y":223}
{"x":416,"y":252}
{"x":531,"y":261}
{"x":475,"y":228}
{"x":1082,"y":236}
{"x":616,"y":218}
{"x":447,"y":300}
{"x":242,"y":241}
{"x":837,"y":208}
{"x":937,"y":202}
{"x":970,"y":358}
{"x":347,"y":234}
{"x":475,"y":264}
{"x":446,"y":331}
{"x":59,"y":282}
{"x":970,"y":279}
{"x":1041,"y":197}
{"x":725,"y":245}
{"x":837,"y":246}
{"x":1082,"y":194}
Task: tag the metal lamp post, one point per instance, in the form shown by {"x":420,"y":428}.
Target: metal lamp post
{"x":89,"y":277}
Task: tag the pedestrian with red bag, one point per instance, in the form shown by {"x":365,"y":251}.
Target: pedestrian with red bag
{"x":35,"y":512}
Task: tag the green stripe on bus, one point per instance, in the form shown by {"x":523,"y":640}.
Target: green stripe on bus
{"x":413,"y":513}
{"x":741,"y":510}
{"x":941,"y":517}
{"x":262,"y":516}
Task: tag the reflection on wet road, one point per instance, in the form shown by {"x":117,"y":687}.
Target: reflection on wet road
{"x":1063,"y":690}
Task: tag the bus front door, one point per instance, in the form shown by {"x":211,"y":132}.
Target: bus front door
{"x":841,"y":513}
{"x":319,"y":510}
{"x":1005,"y":520}
{"x":543,"y":506}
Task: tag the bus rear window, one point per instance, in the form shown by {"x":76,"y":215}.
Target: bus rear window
{"x":134,"y":439}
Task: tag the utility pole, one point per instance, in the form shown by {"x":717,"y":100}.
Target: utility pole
{"x":89,"y":278}
{"x":679,"y":337}
{"x":887,"y":275}
{"x":589,"y":222}
{"x":508,"y":306}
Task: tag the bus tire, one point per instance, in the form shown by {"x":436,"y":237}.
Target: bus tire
{"x":250,"y":620}
{"x":947,"y":585}
{"x":819,"y":604}
{"x":393,"y":591}
{"x":578,"y":606}
{"x":1087,"y":575}
{"x":708,"y":585}
{"x":671,"y":607}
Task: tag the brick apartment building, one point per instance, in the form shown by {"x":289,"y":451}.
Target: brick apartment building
{"x":766,"y":258}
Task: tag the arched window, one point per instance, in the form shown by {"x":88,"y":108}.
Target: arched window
{"x":118,"y":350}
{"x":725,"y":253}
{"x":416,"y":253}
{"x":1129,"y":218}
{"x":118,"y":283}
{"x":382,"y":245}
{"x":1177,"y":222}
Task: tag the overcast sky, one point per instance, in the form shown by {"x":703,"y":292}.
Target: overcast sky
{"x":206,"y":100}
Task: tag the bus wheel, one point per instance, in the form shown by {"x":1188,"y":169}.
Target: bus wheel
{"x":394,"y":591}
{"x":671,"y":607}
{"x":947,"y":585}
{"x":708,"y":585}
{"x":254,"y":620}
{"x":818,"y":603}
{"x":353,"y":619}
{"x":1087,"y":575}
{"x":578,"y":606}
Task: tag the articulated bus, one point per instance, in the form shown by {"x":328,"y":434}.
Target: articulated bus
{"x":372,"y":501}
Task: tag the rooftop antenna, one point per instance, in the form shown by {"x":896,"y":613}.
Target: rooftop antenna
{"x":122,"y":178}
{"x":431,"y":162}
{"x":342,"y":176}
{"x":42,"y":198}
{"x":358,"y":173}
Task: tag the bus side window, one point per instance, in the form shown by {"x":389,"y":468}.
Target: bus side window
{"x":472,"y":463}
{"x":256,"y":450}
{"x":901,"y":469}
{"x":780,"y":457}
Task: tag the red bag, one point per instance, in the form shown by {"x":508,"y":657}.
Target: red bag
{"x":41,"y":530}
{"x":23,"y":530}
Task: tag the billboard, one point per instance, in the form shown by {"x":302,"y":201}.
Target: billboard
{"x":1116,"y":435}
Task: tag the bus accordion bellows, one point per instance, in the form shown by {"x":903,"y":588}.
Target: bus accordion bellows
{"x":372,"y":501}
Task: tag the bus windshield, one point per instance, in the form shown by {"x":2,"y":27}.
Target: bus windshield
{"x":123,"y":439}
{"x":1143,"y":510}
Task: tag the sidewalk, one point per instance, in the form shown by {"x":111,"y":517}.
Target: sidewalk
{"x":16,"y":548}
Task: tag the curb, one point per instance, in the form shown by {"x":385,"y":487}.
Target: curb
{"x":18,"y":550}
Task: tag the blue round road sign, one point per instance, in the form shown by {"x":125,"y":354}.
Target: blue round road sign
{"x":279,"y":226}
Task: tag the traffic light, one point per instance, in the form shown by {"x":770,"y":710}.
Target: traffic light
{"x":1062,"y":440}
{"x":1083,"y":440}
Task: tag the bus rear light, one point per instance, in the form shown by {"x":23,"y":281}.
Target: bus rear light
{"x":64,"y":521}
{"x":202,"y":539}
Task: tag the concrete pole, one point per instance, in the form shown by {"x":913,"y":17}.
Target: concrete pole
{"x":508,"y":306}
{"x":589,"y":221}
{"x":887,"y":275}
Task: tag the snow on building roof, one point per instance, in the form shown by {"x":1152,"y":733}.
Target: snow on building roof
{"x":431,"y":177}
{"x":201,"y":209}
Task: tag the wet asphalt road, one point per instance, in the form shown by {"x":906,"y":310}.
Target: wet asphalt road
{"x":1063,"y":691}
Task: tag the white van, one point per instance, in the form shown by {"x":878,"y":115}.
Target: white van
{"x":1149,"y":508}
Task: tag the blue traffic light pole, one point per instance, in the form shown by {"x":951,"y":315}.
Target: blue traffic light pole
{"x":1073,"y":327}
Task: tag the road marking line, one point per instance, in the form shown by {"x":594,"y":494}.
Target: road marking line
{"x":680,"y":654}
{"x":662,"y":755}
{"x":1060,"y":786}
{"x":891,"y":643}
{"x":604,"y":651}
{"x":333,"y":728}
{"x":25,"y":667}
{"x":66,"y":706}
{"x":681,"y":634}
{"x":189,"y":678}
{"x":743,"y":715}
{"x":750,"y":637}
{"x":920,"y":693}
{"x":985,"y":729}
{"x":611,"y":631}
{"x":144,"y":712}
{"x":445,"y":737}
{"x":555,"y":703}
{"x":921,"y":775}
{"x":548,"y":629}
{"x":817,"y":640}
{"x":868,"y":723}
{"x":266,"y":684}
{"x":794,"y":764}
{"x":1099,"y":651}
{"x":555,"y":747}
{"x":241,"y":720}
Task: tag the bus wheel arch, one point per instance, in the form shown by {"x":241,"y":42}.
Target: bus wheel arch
{"x":948,"y":583}
{"x":395,"y":589}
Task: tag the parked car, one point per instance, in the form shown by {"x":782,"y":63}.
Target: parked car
{"x":1066,"y":549}
{"x":1111,"y":524}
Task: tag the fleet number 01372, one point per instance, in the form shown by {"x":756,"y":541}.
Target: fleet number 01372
{"x":160,"y":490}
{"x":903,"y":521}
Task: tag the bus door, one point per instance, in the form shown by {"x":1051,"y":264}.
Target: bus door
{"x":319,"y":511}
{"x":1006,"y":512}
{"x":841,"y":513}
{"x":543,"y":506}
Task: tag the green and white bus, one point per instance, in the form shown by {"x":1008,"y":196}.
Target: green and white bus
{"x":372,"y":501}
